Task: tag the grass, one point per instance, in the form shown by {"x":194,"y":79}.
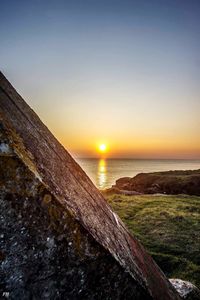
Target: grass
{"x":169,"y":228}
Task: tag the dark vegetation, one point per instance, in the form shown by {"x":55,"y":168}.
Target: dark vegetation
{"x":170,"y":182}
{"x":169,"y":228}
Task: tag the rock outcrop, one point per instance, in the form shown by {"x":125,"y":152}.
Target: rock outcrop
{"x":186,"y":289}
{"x":59,"y":238}
{"x":170,"y":182}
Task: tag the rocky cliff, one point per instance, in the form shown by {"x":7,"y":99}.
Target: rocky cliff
{"x":170,"y":182}
{"x":59,"y":239}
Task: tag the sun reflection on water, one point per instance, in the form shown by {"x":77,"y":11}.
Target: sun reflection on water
{"x":102,"y":173}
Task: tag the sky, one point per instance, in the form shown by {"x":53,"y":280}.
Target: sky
{"x":124,"y":73}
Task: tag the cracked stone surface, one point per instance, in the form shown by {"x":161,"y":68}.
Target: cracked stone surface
{"x":59,"y":239}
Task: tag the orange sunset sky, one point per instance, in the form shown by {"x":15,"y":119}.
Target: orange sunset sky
{"x":122,"y":73}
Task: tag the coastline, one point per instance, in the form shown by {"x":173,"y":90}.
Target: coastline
{"x":164,"y":183}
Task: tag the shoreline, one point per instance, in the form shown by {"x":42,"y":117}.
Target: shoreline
{"x":175,"y":182}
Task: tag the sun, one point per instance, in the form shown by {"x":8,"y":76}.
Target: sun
{"x":102,"y":147}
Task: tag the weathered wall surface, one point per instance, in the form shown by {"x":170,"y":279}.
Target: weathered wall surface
{"x":45,"y":253}
{"x":59,"y":238}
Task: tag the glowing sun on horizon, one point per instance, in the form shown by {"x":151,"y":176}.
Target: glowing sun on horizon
{"x":102,"y":148}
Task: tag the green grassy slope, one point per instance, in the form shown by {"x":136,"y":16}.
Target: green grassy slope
{"x":169,"y":228}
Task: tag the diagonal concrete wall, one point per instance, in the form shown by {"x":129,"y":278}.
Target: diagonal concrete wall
{"x":54,"y":213}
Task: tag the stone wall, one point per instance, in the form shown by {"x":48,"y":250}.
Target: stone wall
{"x":59,"y":237}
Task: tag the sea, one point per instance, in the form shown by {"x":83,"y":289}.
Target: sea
{"x":104,"y":172}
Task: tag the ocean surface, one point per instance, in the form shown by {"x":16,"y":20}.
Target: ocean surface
{"x":104,"y":172}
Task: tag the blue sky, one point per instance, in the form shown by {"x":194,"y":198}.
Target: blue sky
{"x":126,"y":73}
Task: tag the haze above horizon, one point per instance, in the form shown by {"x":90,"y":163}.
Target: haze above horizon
{"x":125,"y":74}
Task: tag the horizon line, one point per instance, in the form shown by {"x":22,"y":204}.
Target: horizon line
{"x":133,"y":158}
